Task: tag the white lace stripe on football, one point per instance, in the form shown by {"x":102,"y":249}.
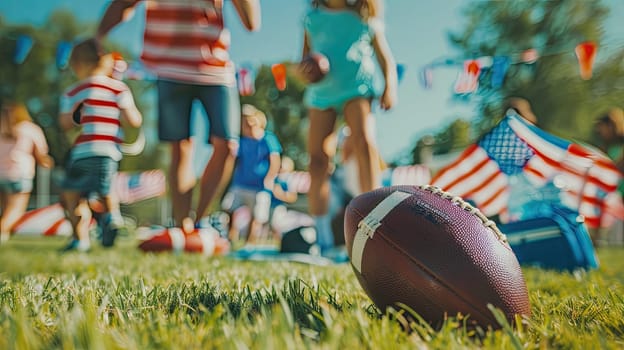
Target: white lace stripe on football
{"x":177,"y":239}
{"x":368,"y":225}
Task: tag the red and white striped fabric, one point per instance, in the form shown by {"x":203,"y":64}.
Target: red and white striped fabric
{"x":134,"y":187}
{"x":185,"y":40}
{"x":49,"y":221}
{"x":246,"y":81}
{"x":102,"y":98}
{"x":480,"y":173}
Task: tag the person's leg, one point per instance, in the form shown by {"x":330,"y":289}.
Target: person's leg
{"x":105,"y":170}
{"x":175,"y":101}
{"x":357,"y":115}
{"x":182,"y":180}
{"x":222,"y":107}
{"x":83,"y":214}
{"x":78,"y":213}
{"x":4,"y":233}
{"x":321,"y":149}
{"x":14,"y":206}
{"x":260,"y":216}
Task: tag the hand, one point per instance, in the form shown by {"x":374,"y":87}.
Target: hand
{"x":387,"y":99}
{"x":47,"y":162}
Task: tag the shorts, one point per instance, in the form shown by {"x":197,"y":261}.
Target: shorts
{"x":90,"y":175}
{"x":260,"y":201}
{"x":16,"y":186}
{"x":175,"y":102}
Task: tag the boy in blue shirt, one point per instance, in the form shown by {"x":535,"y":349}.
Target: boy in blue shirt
{"x":257,"y":164}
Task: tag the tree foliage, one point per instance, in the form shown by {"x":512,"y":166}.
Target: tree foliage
{"x":38,"y":81}
{"x":564,"y":103}
{"x":456,"y":135}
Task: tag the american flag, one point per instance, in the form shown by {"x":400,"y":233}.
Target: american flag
{"x":134,"y":187}
{"x":246,"y":81}
{"x":481,"y":173}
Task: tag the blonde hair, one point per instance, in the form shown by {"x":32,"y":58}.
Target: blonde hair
{"x":12,"y":114}
{"x":250,"y":111}
{"x":365,"y":8}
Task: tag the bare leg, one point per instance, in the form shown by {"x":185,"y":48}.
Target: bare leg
{"x":357,"y":113}
{"x":82,"y":215}
{"x":217,"y":173}
{"x":321,"y":149}
{"x":14,"y":206}
{"x":79,"y":215}
{"x":181,"y":179}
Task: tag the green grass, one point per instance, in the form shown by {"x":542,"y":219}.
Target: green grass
{"x":125,"y":299}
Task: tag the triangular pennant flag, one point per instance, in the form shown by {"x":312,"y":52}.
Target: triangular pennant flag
{"x":400,"y":71}
{"x":279,"y":74}
{"x":529,"y":56}
{"x":22,"y":48}
{"x":120,"y":66}
{"x":586,"y":53}
{"x":500,"y":65}
{"x":63,"y":51}
{"x":246,"y":80}
{"x":426,"y":77}
{"x":468,"y":80}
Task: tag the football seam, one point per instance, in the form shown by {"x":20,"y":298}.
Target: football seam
{"x":490,"y":224}
{"x":423,"y":269}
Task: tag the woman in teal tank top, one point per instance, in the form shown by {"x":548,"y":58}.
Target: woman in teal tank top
{"x":350,"y":33}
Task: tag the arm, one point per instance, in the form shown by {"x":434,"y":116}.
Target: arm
{"x":40,"y":150}
{"x":275,"y":161}
{"x":66,"y":121}
{"x":249,"y":13}
{"x":131,"y":117}
{"x":388,"y":67}
{"x":304,"y":67}
{"x":306,"y":46}
{"x":284,"y":195}
{"x":116,"y":13}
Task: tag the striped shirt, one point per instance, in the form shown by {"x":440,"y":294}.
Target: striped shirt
{"x":102,"y":99}
{"x":186,"y":41}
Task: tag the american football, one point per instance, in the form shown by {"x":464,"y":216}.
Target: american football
{"x":314,"y":67}
{"x":435,"y":253}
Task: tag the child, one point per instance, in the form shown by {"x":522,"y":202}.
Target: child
{"x":22,"y":146}
{"x":104,"y":105}
{"x":257,"y":165}
{"x":350,"y":34}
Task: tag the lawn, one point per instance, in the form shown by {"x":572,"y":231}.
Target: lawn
{"x":125,"y":299}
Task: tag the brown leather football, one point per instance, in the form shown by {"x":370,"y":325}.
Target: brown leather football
{"x":313,"y":67}
{"x":435,"y":253}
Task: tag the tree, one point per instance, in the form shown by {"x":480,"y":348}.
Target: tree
{"x":455,"y":136}
{"x":38,"y":81}
{"x":564,"y":103}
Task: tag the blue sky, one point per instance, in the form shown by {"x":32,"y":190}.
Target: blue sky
{"x":416,"y":30}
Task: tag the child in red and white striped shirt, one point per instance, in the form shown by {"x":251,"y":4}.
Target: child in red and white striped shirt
{"x":99,"y":105}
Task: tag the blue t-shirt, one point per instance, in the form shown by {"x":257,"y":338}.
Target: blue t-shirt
{"x":252,"y":163}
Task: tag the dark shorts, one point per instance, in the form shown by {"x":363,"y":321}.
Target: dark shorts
{"x":90,"y":175}
{"x":16,"y":186}
{"x":175,"y":101}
